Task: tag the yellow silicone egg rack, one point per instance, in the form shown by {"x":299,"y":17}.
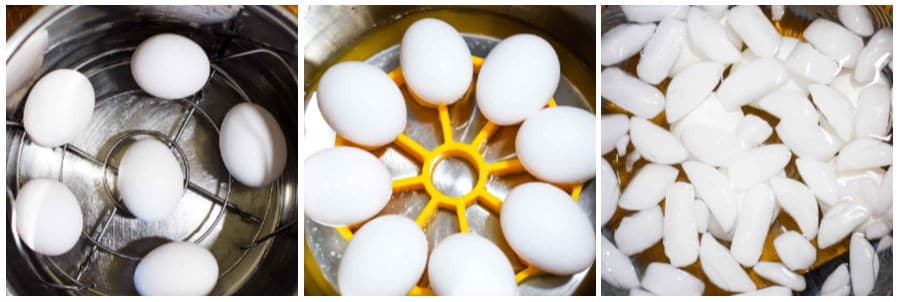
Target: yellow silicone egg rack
{"x":451,"y":148}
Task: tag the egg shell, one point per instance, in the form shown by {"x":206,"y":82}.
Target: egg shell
{"x":170,"y":66}
{"x":151,"y":180}
{"x":835,"y":41}
{"x":387,"y":256}
{"x":436,"y":62}
{"x":252,"y":145}
{"x":48,"y":217}
{"x":344,"y":186}
{"x":59,"y":107}
{"x":558,"y":145}
{"x":467,"y":264}
{"x":362,"y":104}
{"x":623,"y":41}
{"x":518,"y":77}
{"x":176,"y":269}
{"x":545,"y":227}
{"x":630,"y":93}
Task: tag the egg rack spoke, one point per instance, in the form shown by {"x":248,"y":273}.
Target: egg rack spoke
{"x":470,"y":152}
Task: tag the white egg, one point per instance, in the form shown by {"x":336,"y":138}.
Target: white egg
{"x":387,"y":256}
{"x":558,"y":145}
{"x":545,"y":227}
{"x":252,"y":145}
{"x":517,"y":78}
{"x":362,"y":104}
{"x":48,"y":217}
{"x":467,"y":264}
{"x":58,"y":108}
{"x":344,"y":186}
{"x":170,"y":66}
{"x":151,"y":180}
{"x":176,"y":269}
{"x":436,"y":62}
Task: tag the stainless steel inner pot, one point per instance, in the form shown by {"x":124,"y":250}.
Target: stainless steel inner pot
{"x":613,"y":16}
{"x":333,"y":31}
{"x":253,"y":53}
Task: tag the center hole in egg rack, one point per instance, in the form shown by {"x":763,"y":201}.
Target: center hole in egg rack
{"x":52,"y":275}
{"x":468,"y":153}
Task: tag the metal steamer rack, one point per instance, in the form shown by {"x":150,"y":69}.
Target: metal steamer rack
{"x":50,"y":271}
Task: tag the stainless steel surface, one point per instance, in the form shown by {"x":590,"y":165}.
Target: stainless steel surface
{"x":253,"y":51}
{"x":612,"y":16}
{"x":327,"y":38}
